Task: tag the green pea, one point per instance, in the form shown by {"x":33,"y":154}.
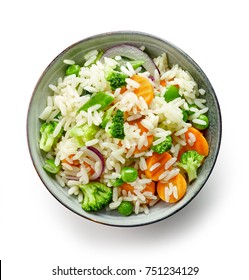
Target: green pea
{"x":117,"y":183}
{"x":190,"y":112}
{"x":171,"y":93}
{"x":184,"y":115}
{"x":125,"y":208}
{"x":73,"y":69}
{"x":129,"y":174}
{"x":202,"y":126}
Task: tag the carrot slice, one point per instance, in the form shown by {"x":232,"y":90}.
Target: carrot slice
{"x":73,"y":163}
{"x":76,"y":163}
{"x":179,"y":182}
{"x":127,"y":187}
{"x":145,"y":90}
{"x":150,"y":187}
{"x":200,"y":145}
{"x":154,"y":159}
{"x":163,"y":83}
{"x":149,"y":139}
{"x":142,"y":130}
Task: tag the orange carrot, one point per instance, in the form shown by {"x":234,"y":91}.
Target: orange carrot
{"x":156,"y":158}
{"x":149,"y":139}
{"x":73,"y":163}
{"x":163,"y":83}
{"x":76,"y":163}
{"x":145,"y":90}
{"x":142,"y":130}
{"x":178,"y":181}
{"x":150,"y":187}
{"x":200,"y":145}
{"x":127,"y":187}
{"x":91,"y":171}
{"x":123,"y":89}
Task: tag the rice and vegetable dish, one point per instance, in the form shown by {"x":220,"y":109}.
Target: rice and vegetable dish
{"x":123,"y":131}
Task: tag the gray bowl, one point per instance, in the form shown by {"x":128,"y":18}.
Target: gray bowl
{"x":154,"y":47}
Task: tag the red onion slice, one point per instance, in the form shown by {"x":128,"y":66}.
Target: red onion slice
{"x":98,"y":157}
{"x":133,"y":53}
{"x":74,"y":178}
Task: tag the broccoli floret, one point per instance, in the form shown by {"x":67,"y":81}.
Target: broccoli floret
{"x":116,"y":79}
{"x":117,"y":125}
{"x":190,"y":161}
{"x":84,"y":133}
{"x":47,"y":140}
{"x":95,"y":196}
{"x":164,"y":146}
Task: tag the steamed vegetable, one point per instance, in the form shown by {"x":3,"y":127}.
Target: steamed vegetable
{"x":50,"y":166}
{"x":149,"y":139}
{"x":162,"y":159}
{"x":73,"y":69}
{"x":125,"y":208}
{"x":117,"y":183}
{"x":132,"y":53}
{"x":84,"y":133}
{"x":172,"y":190}
{"x":184,"y":115}
{"x":164,"y":146}
{"x":117,"y":125}
{"x":150,"y":187}
{"x":107,"y":116}
{"x":134,"y":63}
{"x":145,"y":89}
{"x":96,"y":155}
{"x":205,"y":122}
{"x":129,"y":174}
{"x":190,"y":161}
{"x":116,"y":79}
{"x":100,"y":98}
{"x":95,"y":196}
{"x":47,"y":140}
{"x":199,"y":144}
{"x":69,"y":160}
{"x":171,"y":93}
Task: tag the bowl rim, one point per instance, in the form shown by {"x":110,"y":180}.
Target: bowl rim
{"x":186,"y":56}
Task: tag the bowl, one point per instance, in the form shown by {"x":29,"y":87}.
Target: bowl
{"x":154,"y":47}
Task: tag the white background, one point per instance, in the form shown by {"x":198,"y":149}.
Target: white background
{"x":36,"y":232}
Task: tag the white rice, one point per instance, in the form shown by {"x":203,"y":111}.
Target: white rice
{"x":69,"y":61}
{"x":159,"y":119}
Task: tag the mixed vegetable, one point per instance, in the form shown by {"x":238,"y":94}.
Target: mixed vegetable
{"x":124,"y":131}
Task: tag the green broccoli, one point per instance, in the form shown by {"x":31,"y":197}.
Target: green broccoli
{"x":164,"y":146}
{"x":84,"y":133}
{"x":190,"y":161}
{"x":95,"y":196}
{"x":117,"y":125}
{"x":47,"y":140}
{"x":116,"y":79}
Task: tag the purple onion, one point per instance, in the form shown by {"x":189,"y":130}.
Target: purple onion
{"x":97,"y":156}
{"x":133,"y":53}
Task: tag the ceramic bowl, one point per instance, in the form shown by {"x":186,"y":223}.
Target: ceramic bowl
{"x":154,"y":47}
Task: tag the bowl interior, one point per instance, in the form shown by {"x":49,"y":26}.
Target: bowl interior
{"x":154,"y":47}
